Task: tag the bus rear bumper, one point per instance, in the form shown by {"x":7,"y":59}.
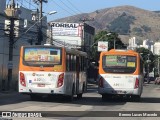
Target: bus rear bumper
{"x":119,"y":91}
{"x":42,"y":91}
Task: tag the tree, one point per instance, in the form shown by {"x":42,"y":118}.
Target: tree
{"x":105,"y":36}
{"x":147,"y":55}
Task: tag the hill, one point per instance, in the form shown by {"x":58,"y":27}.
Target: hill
{"x":127,"y":21}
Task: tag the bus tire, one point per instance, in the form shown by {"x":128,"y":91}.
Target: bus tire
{"x":79,"y":96}
{"x":106,"y":97}
{"x":103,"y":97}
{"x":70,"y":97}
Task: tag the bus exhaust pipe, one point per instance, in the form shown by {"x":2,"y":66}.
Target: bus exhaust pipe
{"x":52,"y":91}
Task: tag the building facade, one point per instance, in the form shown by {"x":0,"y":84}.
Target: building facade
{"x":72,"y":35}
{"x":157,"y":48}
{"x":21,"y":38}
{"x":132,"y":44}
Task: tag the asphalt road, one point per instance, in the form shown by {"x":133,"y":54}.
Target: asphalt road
{"x":91,"y":105}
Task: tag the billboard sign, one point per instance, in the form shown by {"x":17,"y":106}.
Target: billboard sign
{"x":66,"y":29}
{"x":102,"y":46}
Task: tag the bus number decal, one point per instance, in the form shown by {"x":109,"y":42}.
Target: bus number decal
{"x":131,"y":64}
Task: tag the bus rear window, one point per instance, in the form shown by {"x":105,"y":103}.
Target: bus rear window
{"x":119,"y":63}
{"x":46,"y":56}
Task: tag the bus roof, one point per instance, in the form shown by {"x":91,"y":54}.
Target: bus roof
{"x":69,"y":50}
{"x":120,"y":51}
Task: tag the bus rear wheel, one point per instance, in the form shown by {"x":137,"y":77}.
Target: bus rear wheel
{"x":79,"y":96}
{"x":70,"y":97}
{"x":106,"y":97}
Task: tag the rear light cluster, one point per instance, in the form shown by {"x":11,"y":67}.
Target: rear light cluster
{"x":136,"y":83}
{"x":101,"y":82}
{"x":22,"y":79}
{"x":60,"y":80}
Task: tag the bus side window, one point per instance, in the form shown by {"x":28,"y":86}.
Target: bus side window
{"x":82,"y":63}
{"x":67,"y":62}
{"x":77,"y":63}
{"x":70,"y":62}
{"x":74,"y":63}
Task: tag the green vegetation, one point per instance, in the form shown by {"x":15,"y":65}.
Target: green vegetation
{"x":145,"y":53}
{"x":121,"y":24}
{"x":106,"y":36}
{"x":146,"y":28}
{"x":138,"y":31}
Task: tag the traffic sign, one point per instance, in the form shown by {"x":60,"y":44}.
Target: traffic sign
{"x":25,"y":23}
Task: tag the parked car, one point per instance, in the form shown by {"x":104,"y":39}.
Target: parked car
{"x":149,"y":79}
{"x":157,"y":80}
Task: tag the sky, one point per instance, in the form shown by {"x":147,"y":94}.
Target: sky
{"x":67,"y":8}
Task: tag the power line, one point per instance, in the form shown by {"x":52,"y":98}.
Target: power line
{"x":74,"y":6}
{"x":21,"y":2}
{"x":65,"y":10}
{"x":68,"y":6}
{"x":62,"y":7}
{"x":30,"y":3}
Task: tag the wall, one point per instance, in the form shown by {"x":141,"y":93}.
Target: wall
{"x":2,"y":5}
{"x":22,"y":39}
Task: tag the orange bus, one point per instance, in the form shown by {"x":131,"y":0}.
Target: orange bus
{"x":52,"y":70}
{"x":120,"y":74}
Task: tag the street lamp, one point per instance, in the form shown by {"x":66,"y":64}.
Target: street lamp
{"x":50,"y":13}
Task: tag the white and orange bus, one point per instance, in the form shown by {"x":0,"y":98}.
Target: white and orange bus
{"x":52,"y":70}
{"x":120,"y":74}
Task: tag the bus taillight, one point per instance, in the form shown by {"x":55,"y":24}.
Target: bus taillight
{"x":101,"y":82}
{"x":22,"y":79}
{"x":60,"y":80}
{"x":136,"y":83}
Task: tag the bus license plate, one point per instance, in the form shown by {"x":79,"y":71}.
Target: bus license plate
{"x":40,"y":85}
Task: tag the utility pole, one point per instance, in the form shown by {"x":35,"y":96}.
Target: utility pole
{"x":84,"y":20}
{"x":40,"y":35}
{"x":51,"y":36}
{"x":158,"y":65}
{"x":12,"y":13}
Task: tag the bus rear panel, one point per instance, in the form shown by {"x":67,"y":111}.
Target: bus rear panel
{"x":120,"y":74}
{"x":41,"y":70}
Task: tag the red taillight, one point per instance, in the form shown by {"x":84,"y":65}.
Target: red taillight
{"x":136,"y":83}
{"x":101,"y":82}
{"x":22,"y":79}
{"x":60,"y":80}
